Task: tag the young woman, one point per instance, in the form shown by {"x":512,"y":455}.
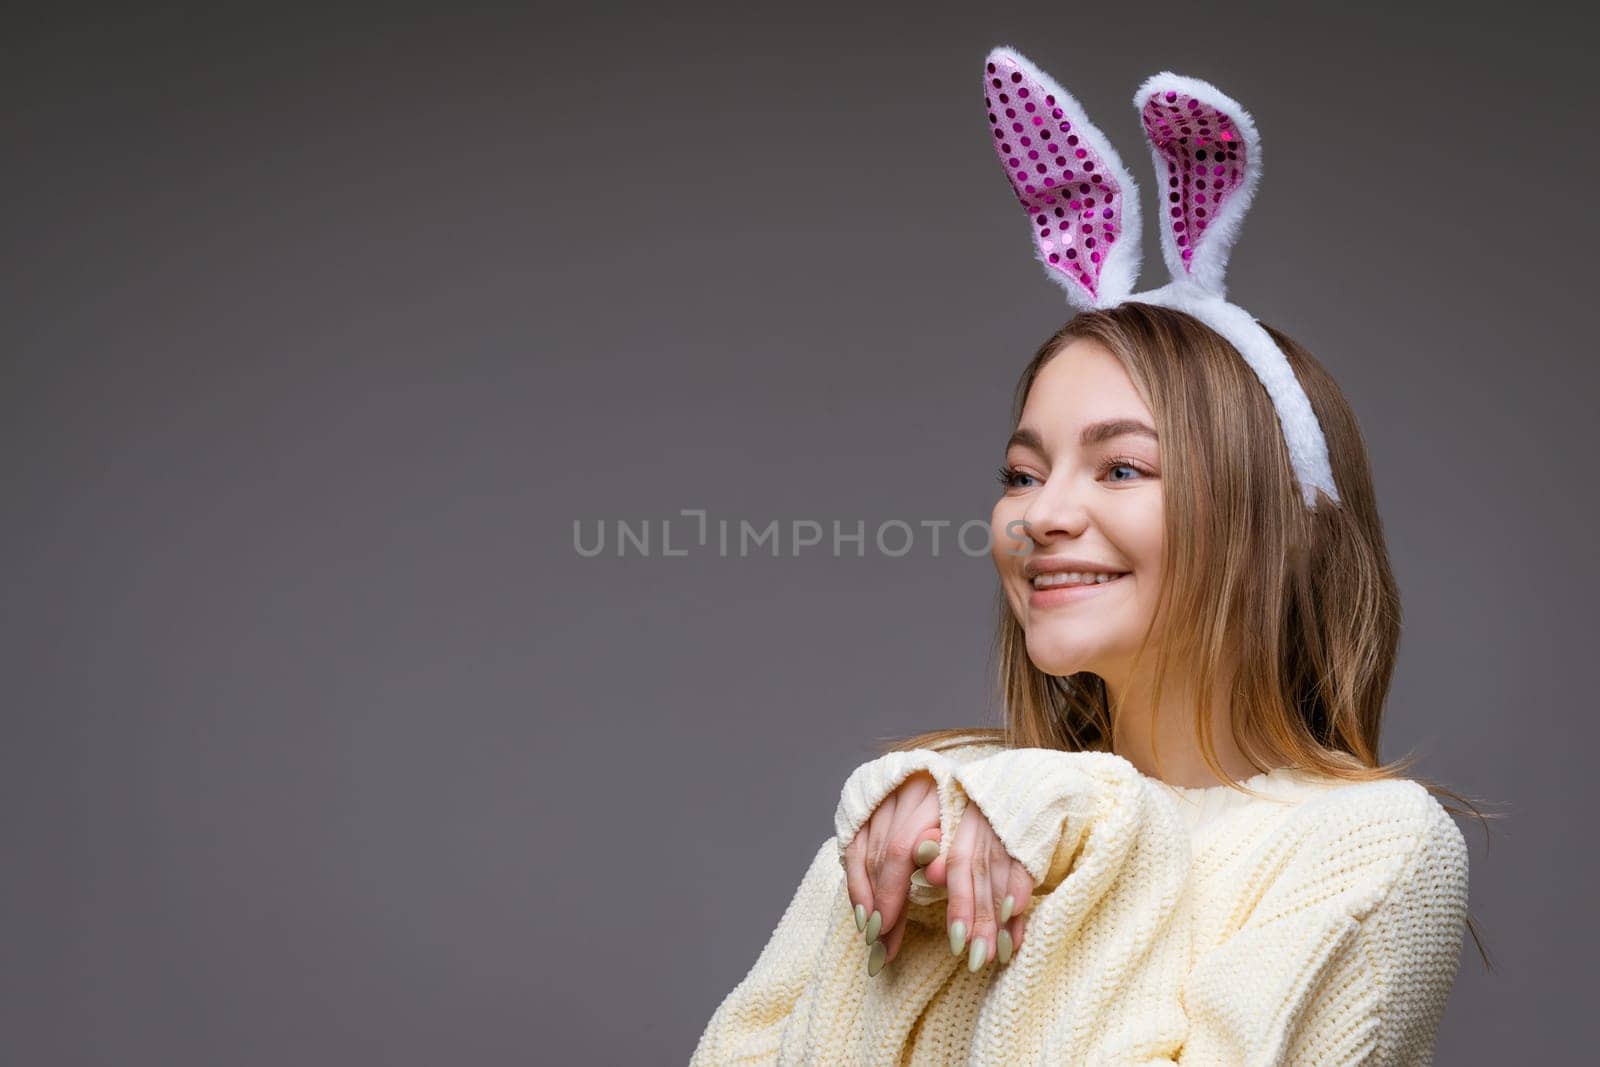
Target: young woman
{"x":1182,"y":846}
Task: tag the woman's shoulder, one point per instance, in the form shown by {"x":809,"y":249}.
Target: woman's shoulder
{"x":1402,"y":805}
{"x":965,"y":750}
{"x":1372,"y":839}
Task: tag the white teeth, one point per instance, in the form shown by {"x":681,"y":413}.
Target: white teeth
{"x":1047,"y":581}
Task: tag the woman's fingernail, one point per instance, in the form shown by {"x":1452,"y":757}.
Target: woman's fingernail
{"x":874,"y":924}
{"x":861,"y":916}
{"x":1003,"y":946}
{"x":1005,"y":908}
{"x":921,"y":880}
{"x":927,"y":852}
{"x":979,"y":954}
{"x":875,"y":958}
{"x":958,"y":937}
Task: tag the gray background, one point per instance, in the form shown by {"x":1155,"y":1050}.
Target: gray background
{"x":322,"y":327}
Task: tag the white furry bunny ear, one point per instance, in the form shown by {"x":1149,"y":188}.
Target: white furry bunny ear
{"x":1082,"y":204}
{"x":1208,"y":161}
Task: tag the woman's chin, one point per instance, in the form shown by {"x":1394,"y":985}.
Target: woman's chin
{"x":1060,"y":658}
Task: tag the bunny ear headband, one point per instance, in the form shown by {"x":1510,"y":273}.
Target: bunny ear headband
{"x":1085,"y":214}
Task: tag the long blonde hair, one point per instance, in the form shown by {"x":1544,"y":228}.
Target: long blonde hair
{"x":1303,"y":602}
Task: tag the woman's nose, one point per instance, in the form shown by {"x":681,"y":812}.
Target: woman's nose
{"x":1056,"y":510}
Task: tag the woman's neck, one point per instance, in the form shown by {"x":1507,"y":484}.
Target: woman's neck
{"x":1137,"y":738}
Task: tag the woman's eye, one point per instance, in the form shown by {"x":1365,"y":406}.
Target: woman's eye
{"x":1011,"y":478}
{"x":1109,"y":468}
{"x":1114,"y":470}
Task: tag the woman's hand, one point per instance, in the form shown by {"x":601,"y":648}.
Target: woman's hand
{"x":979,"y":875}
{"x":988,"y":892}
{"x":879,"y":860}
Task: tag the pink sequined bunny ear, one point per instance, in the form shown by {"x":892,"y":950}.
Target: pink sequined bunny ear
{"x":1081,"y":202}
{"x":1208,"y":161}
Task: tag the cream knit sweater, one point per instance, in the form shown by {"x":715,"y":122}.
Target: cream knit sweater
{"x":1316,"y":923}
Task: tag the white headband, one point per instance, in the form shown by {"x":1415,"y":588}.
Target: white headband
{"x":1084,"y":211}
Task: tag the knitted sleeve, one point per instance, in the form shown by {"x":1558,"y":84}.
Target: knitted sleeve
{"x":1350,"y":953}
{"x":872,"y":782}
{"x":1039,"y":801}
{"x":748,"y":1025}
{"x":808,"y":999}
{"x":802,"y":957}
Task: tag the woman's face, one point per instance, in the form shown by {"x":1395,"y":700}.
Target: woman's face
{"x":1083,"y":503}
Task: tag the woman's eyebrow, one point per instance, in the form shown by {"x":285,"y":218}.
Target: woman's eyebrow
{"x":1096,"y":432}
{"x":1027,"y":439}
{"x":1092,"y":434}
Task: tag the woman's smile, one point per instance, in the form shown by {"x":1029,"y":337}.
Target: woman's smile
{"x":1061,"y":588}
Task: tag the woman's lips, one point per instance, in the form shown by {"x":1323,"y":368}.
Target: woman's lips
{"x":1068,"y":594}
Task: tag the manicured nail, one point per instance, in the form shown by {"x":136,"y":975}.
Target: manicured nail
{"x":861,"y":916}
{"x":875,"y":958}
{"x":927,"y":852}
{"x":874,"y":924}
{"x":920,"y":879}
{"x":1003,"y":946}
{"x":979,"y":954}
{"x":1005,"y":908}
{"x":958,"y":937}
